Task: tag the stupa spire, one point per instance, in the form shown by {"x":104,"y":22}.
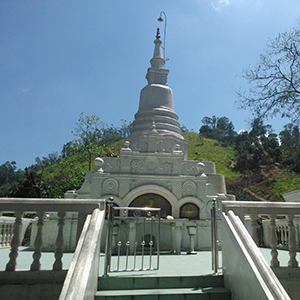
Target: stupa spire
{"x":157,"y":62}
{"x":156,"y":107}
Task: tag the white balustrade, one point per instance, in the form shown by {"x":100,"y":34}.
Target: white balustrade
{"x":11,"y":233}
{"x":6,"y":234}
{"x":282,"y":231}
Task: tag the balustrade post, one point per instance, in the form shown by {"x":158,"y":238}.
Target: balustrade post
{"x":178,"y":238}
{"x":255,"y":228}
{"x":15,"y":243}
{"x":57,"y":266}
{"x":36,"y":265}
{"x":2,"y":235}
{"x":292,"y":242}
{"x":273,"y":242}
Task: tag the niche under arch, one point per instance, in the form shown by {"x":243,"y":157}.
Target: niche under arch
{"x":153,"y":201}
{"x":190,"y":211}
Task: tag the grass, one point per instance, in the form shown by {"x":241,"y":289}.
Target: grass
{"x":203,"y":149}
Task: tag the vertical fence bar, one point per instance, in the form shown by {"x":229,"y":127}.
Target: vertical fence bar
{"x":151,"y":242}
{"x":158,"y":241}
{"x":214,"y":237}
{"x":143,"y":244}
{"x":108,"y":236}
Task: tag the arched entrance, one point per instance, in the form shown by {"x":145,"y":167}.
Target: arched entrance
{"x":155,"y":201}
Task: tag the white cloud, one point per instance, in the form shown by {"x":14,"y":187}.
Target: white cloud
{"x":218,"y":5}
{"x":24,"y":90}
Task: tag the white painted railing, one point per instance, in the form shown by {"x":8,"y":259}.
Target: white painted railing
{"x":275,"y":212}
{"x":246,"y":273}
{"x":82,"y":278}
{"x":6,"y":234}
{"x":19,"y":206}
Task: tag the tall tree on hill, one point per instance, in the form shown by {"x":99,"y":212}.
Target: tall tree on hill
{"x":93,"y":135}
{"x":275,"y":79}
{"x":290,"y":145}
{"x":258,"y":146}
{"x":220,"y":129}
{"x":88,"y":130}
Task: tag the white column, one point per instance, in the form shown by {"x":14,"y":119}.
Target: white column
{"x":273,"y":242}
{"x":11,"y":265}
{"x":36,"y":265}
{"x":292,"y":243}
{"x":255,"y":227}
{"x":57,"y":266}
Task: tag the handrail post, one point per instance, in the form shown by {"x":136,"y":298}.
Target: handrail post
{"x":108,"y":236}
{"x":214,"y":237}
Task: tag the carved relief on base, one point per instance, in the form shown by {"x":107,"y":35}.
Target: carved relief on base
{"x":96,"y":190}
{"x":189,"y":188}
{"x":177,"y":189}
{"x":110,"y":186}
{"x":124,"y":187}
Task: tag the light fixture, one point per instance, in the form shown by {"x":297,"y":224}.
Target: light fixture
{"x":160,"y":19}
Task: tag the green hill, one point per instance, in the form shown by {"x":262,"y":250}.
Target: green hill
{"x":204,"y":149}
{"x":266,"y":183}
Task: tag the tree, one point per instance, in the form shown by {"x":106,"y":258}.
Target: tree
{"x":220,"y":129}
{"x":88,"y":129}
{"x":275,"y":79}
{"x":94,"y":135}
{"x":290,"y":144}
{"x":258,"y":147}
{"x":9,"y":178}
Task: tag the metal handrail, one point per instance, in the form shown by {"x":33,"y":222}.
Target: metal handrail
{"x":214,"y":237}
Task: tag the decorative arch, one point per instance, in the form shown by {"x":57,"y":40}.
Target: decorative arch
{"x":189,"y":211}
{"x":153,"y":189}
{"x":154,"y":201}
{"x":195,"y":201}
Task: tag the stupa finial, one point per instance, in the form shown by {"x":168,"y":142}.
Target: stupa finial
{"x":157,"y":34}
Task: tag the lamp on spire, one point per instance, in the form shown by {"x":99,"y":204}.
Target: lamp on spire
{"x":160,"y":19}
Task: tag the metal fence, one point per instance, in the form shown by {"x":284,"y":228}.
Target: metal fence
{"x":133,"y":238}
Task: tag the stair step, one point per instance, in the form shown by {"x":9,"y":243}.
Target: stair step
{"x":207,"y":293}
{"x":159,"y":282}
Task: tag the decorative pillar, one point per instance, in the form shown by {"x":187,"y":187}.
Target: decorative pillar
{"x":57,"y":266}
{"x":292,"y":243}
{"x":36,"y":265}
{"x":11,"y":265}
{"x":178,"y":237}
{"x":192,"y":229}
{"x":273,"y":242}
{"x":255,"y":228}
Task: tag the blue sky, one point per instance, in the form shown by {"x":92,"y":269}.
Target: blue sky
{"x":61,"y":58}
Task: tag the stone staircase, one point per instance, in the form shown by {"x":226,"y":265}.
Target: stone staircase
{"x":208,"y":287}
